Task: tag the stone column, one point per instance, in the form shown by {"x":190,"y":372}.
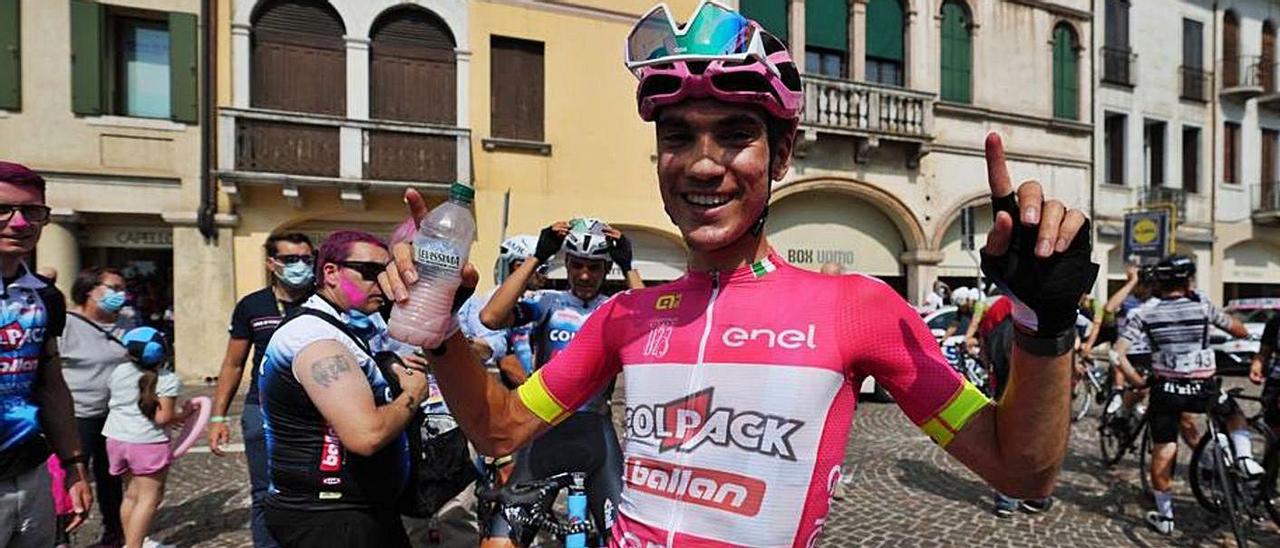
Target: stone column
{"x":204,"y":295}
{"x":796,"y":29}
{"x":241,"y":49}
{"x":351,"y":139}
{"x":858,"y":40}
{"x":58,"y":248}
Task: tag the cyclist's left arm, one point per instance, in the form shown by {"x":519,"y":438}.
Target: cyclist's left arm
{"x":1015,"y":446}
{"x":1227,"y":322}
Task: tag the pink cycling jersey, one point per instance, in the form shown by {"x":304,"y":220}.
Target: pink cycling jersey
{"x":740,"y":390}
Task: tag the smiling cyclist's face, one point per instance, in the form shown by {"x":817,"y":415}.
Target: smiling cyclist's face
{"x":714,"y":169}
{"x":585,"y":276}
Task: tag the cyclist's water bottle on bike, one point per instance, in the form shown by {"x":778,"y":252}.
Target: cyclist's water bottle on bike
{"x":440,"y":249}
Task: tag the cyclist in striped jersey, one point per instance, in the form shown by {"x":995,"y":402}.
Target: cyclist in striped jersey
{"x":1182,"y":370}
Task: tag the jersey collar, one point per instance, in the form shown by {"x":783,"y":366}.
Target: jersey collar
{"x":761,"y":268}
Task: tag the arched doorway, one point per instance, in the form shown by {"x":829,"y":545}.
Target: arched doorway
{"x":959,"y":267}
{"x":813,"y":227}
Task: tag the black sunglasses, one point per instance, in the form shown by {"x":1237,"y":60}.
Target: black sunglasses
{"x":290,"y":259}
{"x":368,"y":270}
{"x":33,"y":213}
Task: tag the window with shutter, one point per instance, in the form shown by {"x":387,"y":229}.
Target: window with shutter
{"x":1066,"y":75}
{"x":771,"y":14}
{"x":10,"y":56}
{"x":886,"y":47}
{"x":86,"y":57}
{"x":516,"y":94}
{"x":957,"y":51}
{"x":1191,"y":159}
{"x":1231,"y":152}
{"x":1113,"y":137}
{"x":184,"y":68}
{"x":299,"y":59}
{"x":1230,"y":50}
{"x":412,"y":68}
{"x":1268,"y":68}
{"x":826,"y":35}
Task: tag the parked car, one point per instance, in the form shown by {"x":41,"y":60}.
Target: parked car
{"x":1231,"y":354}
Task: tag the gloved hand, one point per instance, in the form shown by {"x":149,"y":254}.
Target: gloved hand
{"x":620,"y":252}
{"x":549,"y":242}
{"x":1044,"y":291}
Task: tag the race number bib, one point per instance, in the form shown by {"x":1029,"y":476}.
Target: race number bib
{"x":1200,"y":363}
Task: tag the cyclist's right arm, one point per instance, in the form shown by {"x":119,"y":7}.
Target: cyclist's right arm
{"x":500,"y":312}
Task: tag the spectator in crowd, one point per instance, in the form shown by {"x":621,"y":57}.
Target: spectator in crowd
{"x":91,"y":349}
{"x":39,"y":410}
{"x":290,"y":264}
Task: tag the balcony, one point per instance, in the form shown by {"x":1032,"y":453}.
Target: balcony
{"x":1270,"y":97}
{"x":295,"y":150}
{"x":1242,"y":78}
{"x":1264,"y":201}
{"x":1194,"y":83}
{"x":869,"y":113}
{"x":1118,"y":66}
{"x":1163,"y":196}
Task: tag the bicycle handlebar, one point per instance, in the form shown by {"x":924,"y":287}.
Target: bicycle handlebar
{"x":529,"y":503}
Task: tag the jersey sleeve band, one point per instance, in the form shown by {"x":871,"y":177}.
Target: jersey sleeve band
{"x":943,"y":426}
{"x":535,"y":396}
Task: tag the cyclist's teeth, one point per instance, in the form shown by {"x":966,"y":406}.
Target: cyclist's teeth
{"x":708,"y":199}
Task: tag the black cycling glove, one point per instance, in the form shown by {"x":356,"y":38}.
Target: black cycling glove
{"x":1045,"y":292}
{"x":549,"y":242}
{"x":620,"y":252}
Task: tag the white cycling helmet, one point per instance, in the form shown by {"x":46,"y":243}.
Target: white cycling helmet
{"x":514,"y":249}
{"x":962,"y":296}
{"x":587,"y":240}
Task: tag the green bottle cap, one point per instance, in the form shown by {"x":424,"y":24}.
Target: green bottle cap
{"x":462,"y":193}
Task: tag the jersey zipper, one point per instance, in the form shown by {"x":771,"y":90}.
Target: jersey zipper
{"x":695,"y":379}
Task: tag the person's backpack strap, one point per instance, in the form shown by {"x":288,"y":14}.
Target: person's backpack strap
{"x":100,"y":329}
{"x":335,"y":322}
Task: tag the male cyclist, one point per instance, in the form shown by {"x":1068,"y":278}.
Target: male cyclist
{"x":1265,"y":365}
{"x":1182,"y":370}
{"x":741,"y":375}
{"x":584,"y":441}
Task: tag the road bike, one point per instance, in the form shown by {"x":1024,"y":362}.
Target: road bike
{"x":1220,"y":484}
{"x":1093,"y":387}
{"x":1119,"y":434}
{"x":531,"y":504}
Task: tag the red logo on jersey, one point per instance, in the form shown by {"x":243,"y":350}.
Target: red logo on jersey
{"x":686,"y":423}
{"x":13,"y":336}
{"x":702,"y":486}
{"x":331,"y":452}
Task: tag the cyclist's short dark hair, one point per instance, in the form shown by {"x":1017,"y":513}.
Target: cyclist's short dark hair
{"x":88,"y":279}
{"x":20,"y":175}
{"x":291,"y":237}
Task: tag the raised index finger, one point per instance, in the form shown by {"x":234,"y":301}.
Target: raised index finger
{"x":416,"y":203}
{"x":997,"y":171}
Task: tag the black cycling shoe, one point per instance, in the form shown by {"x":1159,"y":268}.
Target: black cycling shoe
{"x":1036,"y":506}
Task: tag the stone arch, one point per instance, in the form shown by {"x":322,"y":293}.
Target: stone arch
{"x":894,"y":209}
{"x":951,"y":215}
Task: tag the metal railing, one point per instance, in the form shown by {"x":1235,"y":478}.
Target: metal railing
{"x":1118,"y":65}
{"x":292,"y":143}
{"x":1194,"y":83}
{"x":1241,"y":71}
{"x":860,"y":108}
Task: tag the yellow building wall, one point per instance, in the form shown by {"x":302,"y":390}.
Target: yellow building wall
{"x":602,"y":158}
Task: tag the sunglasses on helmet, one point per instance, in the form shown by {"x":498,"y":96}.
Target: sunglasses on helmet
{"x":716,"y":32}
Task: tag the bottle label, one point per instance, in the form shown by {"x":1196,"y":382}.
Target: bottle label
{"x":438,"y":254}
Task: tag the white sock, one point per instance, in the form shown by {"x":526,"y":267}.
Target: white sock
{"x":1164,"y":503}
{"x":1242,"y":443}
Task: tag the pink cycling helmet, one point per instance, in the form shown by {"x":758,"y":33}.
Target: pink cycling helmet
{"x":772,"y":83}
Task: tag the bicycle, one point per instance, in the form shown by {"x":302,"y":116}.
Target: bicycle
{"x":1092,"y":387}
{"x":1224,"y":487}
{"x":1117,"y":435}
{"x":530,"y":504}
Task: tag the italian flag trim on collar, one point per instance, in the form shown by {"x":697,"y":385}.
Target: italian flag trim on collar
{"x":762,"y":267}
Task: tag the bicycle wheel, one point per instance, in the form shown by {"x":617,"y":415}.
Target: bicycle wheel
{"x":1204,"y":480}
{"x":1144,"y":459}
{"x":1081,"y":399}
{"x":1112,"y":435}
{"x":1215,"y":487}
{"x":1271,"y":463}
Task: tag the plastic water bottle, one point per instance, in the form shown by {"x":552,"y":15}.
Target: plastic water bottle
{"x":440,"y":249}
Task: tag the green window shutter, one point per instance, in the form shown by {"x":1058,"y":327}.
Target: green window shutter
{"x":885,"y":30}
{"x":957,"y":51}
{"x":771,"y":14}
{"x":184,"y":100}
{"x":1065,"y":75}
{"x":826,"y":24}
{"x":10,"y":56}
{"x":86,"y":57}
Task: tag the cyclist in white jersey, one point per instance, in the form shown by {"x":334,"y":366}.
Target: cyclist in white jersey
{"x":711,"y":458}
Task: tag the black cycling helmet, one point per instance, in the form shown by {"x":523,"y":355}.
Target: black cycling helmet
{"x":1175,"y":268}
{"x":1147,"y":273}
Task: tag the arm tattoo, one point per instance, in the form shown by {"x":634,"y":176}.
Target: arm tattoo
{"x":326,"y":370}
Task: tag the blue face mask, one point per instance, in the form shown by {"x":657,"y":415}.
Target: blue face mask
{"x":111,"y":301}
{"x":296,"y":275}
{"x":359,"y":322}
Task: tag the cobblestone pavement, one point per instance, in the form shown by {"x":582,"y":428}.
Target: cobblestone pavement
{"x":902,"y":491}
